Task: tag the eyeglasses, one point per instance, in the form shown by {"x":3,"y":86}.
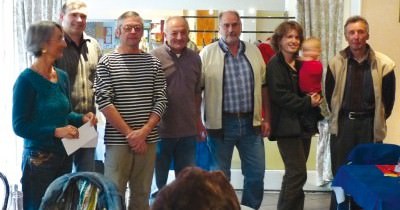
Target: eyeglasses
{"x":128,"y":28}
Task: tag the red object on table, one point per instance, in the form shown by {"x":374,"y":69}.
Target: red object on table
{"x":388,"y":170}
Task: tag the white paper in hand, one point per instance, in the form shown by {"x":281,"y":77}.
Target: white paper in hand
{"x":87,"y":139}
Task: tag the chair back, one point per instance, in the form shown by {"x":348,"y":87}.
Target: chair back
{"x":82,"y":190}
{"x":6,"y":188}
{"x":377,"y":154}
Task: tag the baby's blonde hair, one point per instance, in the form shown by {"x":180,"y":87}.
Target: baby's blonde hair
{"x":311,"y":42}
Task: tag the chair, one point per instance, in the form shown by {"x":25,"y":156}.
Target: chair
{"x":82,"y":190}
{"x":376,"y":154}
{"x":6,"y":190}
{"x":371,"y":154}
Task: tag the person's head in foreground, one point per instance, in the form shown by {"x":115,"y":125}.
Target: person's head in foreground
{"x":196,"y":189}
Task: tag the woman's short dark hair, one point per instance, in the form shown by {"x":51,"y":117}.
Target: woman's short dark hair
{"x":39,"y":33}
{"x":283,"y":29}
{"x":196,"y":189}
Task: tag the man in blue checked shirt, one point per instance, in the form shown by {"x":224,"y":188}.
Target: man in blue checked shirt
{"x":233,"y":81}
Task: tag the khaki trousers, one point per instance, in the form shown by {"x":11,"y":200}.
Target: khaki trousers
{"x":123,"y":166}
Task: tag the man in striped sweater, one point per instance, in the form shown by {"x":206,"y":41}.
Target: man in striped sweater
{"x":130,"y":89}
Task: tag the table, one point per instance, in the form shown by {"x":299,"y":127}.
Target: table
{"x":368,"y":187}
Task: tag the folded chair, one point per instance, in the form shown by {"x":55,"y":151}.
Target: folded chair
{"x":83,"y":191}
{"x":376,"y":154}
{"x":371,"y":154}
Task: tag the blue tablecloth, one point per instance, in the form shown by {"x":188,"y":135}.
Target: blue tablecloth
{"x":368,"y":187}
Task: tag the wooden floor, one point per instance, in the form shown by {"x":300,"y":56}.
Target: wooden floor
{"x":313,"y":200}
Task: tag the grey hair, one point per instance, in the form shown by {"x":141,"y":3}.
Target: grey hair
{"x":176,"y":18}
{"x":127,"y":14}
{"x":39,"y":33}
{"x":355,"y":19}
{"x":234,"y":12}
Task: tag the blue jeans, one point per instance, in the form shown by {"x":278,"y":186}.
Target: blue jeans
{"x":83,"y":160}
{"x":179,"y":151}
{"x":39,"y":169}
{"x":240,"y":132}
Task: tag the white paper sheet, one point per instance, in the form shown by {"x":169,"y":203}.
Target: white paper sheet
{"x":87,"y":139}
{"x":339,"y":192}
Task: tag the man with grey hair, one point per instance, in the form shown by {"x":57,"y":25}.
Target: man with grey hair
{"x":181,"y":125}
{"x":360,"y":90}
{"x":130,"y":90}
{"x":233,"y":79}
{"x":79,"y":60}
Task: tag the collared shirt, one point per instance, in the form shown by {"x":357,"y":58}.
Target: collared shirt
{"x":359,"y":96}
{"x":238,"y":81}
{"x":80,"y":63}
{"x":183,"y":74}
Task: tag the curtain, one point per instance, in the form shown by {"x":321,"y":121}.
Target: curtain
{"x":323,"y":19}
{"x":27,"y":12}
{"x":15,"y":18}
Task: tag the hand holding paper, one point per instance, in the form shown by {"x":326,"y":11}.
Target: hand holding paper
{"x":87,"y":139}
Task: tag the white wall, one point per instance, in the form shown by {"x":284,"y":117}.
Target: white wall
{"x":157,"y":10}
{"x":111,"y":9}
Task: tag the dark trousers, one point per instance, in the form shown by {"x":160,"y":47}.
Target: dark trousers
{"x":294,"y":153}
{"x":351,"y":132}
{"x":83,"y":160}
{"x":39,"y":169}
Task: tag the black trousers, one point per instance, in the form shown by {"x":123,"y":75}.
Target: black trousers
{"x":294,"y":152}
{"x":351,"y":132}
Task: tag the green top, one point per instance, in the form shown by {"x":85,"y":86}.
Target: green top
{"x":39,"y":107}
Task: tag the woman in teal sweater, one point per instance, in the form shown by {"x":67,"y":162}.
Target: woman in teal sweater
{"x":42,"y":113}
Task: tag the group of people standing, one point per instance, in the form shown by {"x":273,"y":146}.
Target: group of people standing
{"x":153,"y":102}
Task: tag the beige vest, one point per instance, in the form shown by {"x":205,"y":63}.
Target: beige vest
{"x":380,"y":66}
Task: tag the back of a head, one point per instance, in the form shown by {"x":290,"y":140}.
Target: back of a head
{"x":196,"y":189}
